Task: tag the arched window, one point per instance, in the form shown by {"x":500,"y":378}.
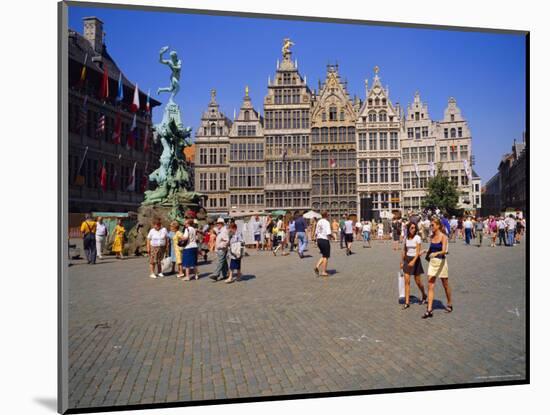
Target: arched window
{"x":453,"y":133}
{"x":342,"y":185}
{"x":394,"y":170}
{"x":213,"y":129}
{"x":247,"y":115}
{"x":315,"y":159}
{"x":376,"y":101}
{"x":325,"y":183}
{"x":382,"y":116}
{"x":372,"y":116}
{"x":342,"y":115}
{"x":384,"y":101}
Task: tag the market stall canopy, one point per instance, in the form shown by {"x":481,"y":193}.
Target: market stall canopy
{"x":278,"y":213}
{"x":312,"y":215}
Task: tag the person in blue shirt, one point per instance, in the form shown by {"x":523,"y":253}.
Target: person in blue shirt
{"x":292,"y":233}
{"x":300,"y":227}
{"x":446,"y":224}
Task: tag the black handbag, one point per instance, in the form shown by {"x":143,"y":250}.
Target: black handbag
{"x":182,"y":243}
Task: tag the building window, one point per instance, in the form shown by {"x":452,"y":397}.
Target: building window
{"x":362,"y":141}
{"x":406,"y":155}
{"x":383,"y":141}
{"x":202,"y":182}
{"x":417,"y":116}
{"x":459,"y":132}
{"x":452,"y":117}
{"x":213,"y":155}
{"x":464,"y":152}
{"x":443,"y":153}
{"x":417,"y":133}
{"x":372,"y":141}
{"x":394,"y":165}
{"x":382,"y":116}
{"x":373,"y":171}
{"x":363,"y":171}
{"x":410,"y":132}
{"x":454,"y":152}
{"x":342,"y":116}
{"x":431,"y":155}
{"x":394,"y":141}
{"x":446,"y":133}
{"x":453,"y":133}
{"x":332,"y":114}
{"x":212,"y":129}
{"x":372,"y":116}
{"x":203,"y":156}
{"x":223,"y":181}
{"x":424,"y":131}
{"x":383,"y":171}
{"x":324,"y":116}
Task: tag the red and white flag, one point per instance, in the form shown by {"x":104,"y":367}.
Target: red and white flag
{"x":132,"y":134}
{"x":332,"y":163}
{"x":135,"y":103}
{"x":103,"y":177}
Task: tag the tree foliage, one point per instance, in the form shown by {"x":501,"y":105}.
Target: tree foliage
{"x":442,"y":193}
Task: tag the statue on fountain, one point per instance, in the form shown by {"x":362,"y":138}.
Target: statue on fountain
{"x":173,"y":187}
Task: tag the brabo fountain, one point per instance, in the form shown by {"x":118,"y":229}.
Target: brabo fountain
{"x":172,"y":198}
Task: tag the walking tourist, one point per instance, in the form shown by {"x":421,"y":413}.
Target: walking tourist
{"x":454,"y":229}
{"x":479,"y":231}
{"x":101,"y":235}
{"x":87,"y":229}
{"x":222,"y":242}
{"x":510,"y":229}
{"x":190,"y":251}
{"x":118,"y":244}
{"x":322,"y":234}
{"x":501,"y":225}
{"x":342,"y":231}
{"x":437,"y":255}
{"x":236,"y":251}
{"x":358,"y":230}
{"x":157,"y":239}
{"x":348,"y":234}
{"x":468,"y":229}
{"x":366,"y":233}
{"x":268,"y":233}
{"x":396,"y":232}
{"x":492,"y":225}
{"x":412,"y":264}
{"x":460,"y":228}
{"x":380,"y":228}
{"x":300,"y":226}
{"x":171,"y":247}
{"x":291,"y":234}
{"x":335,"y":227}
{"x":257,"y":231}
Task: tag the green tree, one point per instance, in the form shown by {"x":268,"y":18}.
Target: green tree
{"x":442,"y":193}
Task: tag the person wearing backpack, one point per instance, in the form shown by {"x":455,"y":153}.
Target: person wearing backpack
{"x":88,"y":230}
{"x":236,"y":251}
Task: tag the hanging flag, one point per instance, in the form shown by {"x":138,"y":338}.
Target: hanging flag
{"x":120,"y":92}
{"x":148,"y":104}
{"x":467,"y":169}
{"x":132,"y":134}
{"x":83,"y":116}
{"x":104,"y":87}
{"x":132,"y":185}
{"x":432,"y":169}
{"x":103,"y":177}
{"x":416,"y":170}
{"x":135,"y":103}
{"x":83,"y":72}
{"x":332,"y":163}
{"x":79,"y":179}
{"x":100,"y":124}
{"x":118,"y":129}
{"x":146,"y":138}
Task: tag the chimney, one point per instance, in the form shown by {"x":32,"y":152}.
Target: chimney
{"x":93,"y":32}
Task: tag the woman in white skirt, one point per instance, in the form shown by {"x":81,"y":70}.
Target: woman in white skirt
{"x":437,"y":255}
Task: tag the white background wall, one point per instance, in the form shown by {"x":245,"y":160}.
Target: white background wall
{"x":29,"y":149}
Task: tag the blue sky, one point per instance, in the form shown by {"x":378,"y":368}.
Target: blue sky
{"x":485,"y":72}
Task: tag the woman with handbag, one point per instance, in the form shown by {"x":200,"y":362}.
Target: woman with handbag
{"x":188,"y":244}
{"x":412,"y":264}
{"x":437,"y":255}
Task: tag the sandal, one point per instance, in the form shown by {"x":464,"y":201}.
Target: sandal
{"x":449,"y":308}
{"x":316,"y":270}
{"x":229,"y":281}
{"x":428,"y":314}
{"x":324,"y":274}
{"x":424,"y":300}
{"x":405,"y":306}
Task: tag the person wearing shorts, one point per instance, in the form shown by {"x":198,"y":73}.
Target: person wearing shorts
{"x":156,"y":248}
{"x":348,"y":234}
{"x":322,"y":233}
{"x":366,"y":233}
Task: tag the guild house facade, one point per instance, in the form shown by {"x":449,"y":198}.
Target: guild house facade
{"x":324,"y":150}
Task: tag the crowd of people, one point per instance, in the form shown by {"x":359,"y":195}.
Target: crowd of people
{"x":177,"y":251}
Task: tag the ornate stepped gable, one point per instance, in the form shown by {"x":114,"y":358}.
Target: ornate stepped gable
{"x":332,"y":93}
{"x":377,"y":102}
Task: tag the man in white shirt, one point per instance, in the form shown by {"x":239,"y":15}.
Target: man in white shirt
{"x":101,"y":235}
{"x":222,"y":242}
{"x":322,"y":234}
{"x":366,"y":233}
{"x":454,"y":226}
{"x":348,"y":234}
{"x":510,"y":229}
{"x":157,"y":240}
{"x":257,"y":231}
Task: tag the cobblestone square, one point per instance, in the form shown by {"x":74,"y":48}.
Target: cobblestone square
{"x":281,"y":331}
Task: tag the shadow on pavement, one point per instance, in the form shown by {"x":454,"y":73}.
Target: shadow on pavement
{"x":48,"y":403}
